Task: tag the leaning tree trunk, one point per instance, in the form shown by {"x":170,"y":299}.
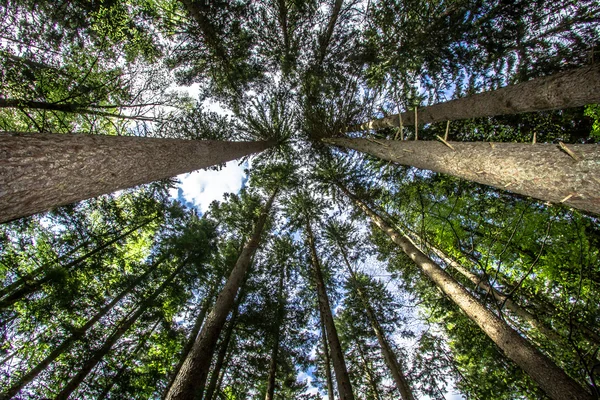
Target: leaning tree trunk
{"x":563,"y":90}
{"x":193,"y":335}
{"x":270,"y":395}
{"x":541,"y":171}
{"x":551,"y":379}
{"x":337,"y":356}
{"x":77,"y":334}
{"x":327,"y":362}
{"x":114,"y":337}
{"x":368,"y":372}
{"x":192,"y":377}
{"x":388,"y":353}
{"x":42,"y":171}
{"x":30,"y":287}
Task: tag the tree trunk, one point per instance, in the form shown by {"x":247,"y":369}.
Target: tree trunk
{"x":567,"y":89}
{"x":36,"y":285}
{"x":216,"y":372}
{"x":388,"y":353}
{"x":113,"y":338}
{"x":325,"y":38}
{"x":78,"y":334}
{"x":125,"y":365}
{"x":42,"y":171}
{"x":270,"y":395}
{"x":368,"y":372}
{"x":551,"y":379}
{"x":337,"y":356}
{"x":328,"y":378}
{"x":541,"y":171}
{"x":192,"y":376}
{"x":193,"y":335}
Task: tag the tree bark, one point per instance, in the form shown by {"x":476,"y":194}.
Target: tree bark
{"x":78,"y":334}
{"x":388,"y":353}
{"x":368,"y":372}
{"x":551,"y":379}
{"x":270,"y":395}
{"x":328,"y":377}
{"x":192,"y":376}
{"x":42,"y":171}
{"x":337,"y":356}
{"x":34,"y":286}
{"x":193,"y":335}
{"x":541,"y":171}
{"x":567,"y":89}
{"x":89,"y":365}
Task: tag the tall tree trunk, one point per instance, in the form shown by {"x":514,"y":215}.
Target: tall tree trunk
{"x":388,"y":353}
{"x":541,"y":171}
{"x":368,"y":372}
{"x":42,"y":171}
{"x":567,"y":89}
{"x":325,"y":38}
{"x":192,"y":376}
{"x":551,"y":379}
{"x":99,"y":354}
{"x":78,"y":334}
{"x":337,"y":356}
{"x":223,"y":349}
{"x":28,"y":288}
{"x":327,"y":362}
{"x":193,"y":335}
{"x":270,"y":395}
{"x":115,"y":379}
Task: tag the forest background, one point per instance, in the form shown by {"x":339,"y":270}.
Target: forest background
{"x":338,"y":260}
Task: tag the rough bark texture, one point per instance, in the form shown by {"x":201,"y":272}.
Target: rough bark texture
{"x":563,"y":90}
{"x":192,"y":376}
{"x":337,"y":356}
{"x":542,"y":171}
{"x":328,"y":378}
{"x":388,"y":353}
{"x":551,"y":379}
{"x":270,"y":395}
{"x":77,"y":335}
{"x":99,"y":354}
{"x":42,"y":171}
{"x":219,"y":362}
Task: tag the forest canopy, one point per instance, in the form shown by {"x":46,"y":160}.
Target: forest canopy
{"x":418,"y":217}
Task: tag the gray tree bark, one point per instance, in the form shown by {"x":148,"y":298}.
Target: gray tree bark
{"x":542,"y":171}
{"x":551,"y":379}
{"x":192,"y":377}
{"x":337,"y":356}
{"x":42,"y":171}
{"x":563,"y":90}
{"x":327,"y":362}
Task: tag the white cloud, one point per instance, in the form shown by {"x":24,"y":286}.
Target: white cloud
{"x":200,"y":188}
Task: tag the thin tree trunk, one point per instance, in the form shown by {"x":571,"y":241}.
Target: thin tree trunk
{"x":193,"y":335}
{"x":551,"y":379}
{"x":192,"y":376}
{"x":270,"y":395}
{"x":28,"y":288}
{"x":327,"y":362}
{"x":388,"y":353}
{"x":99,"y":354}
{"x":78,"y":334}
{"x":325,"y":38}
{"x":216,"y":372}
{"x":567,"y":89}
{"x":136,"y":351}
{"x":42,"y":171}
{"x":541,"y":171}
{"x":337,"y":356}
{"x":368,"y":372}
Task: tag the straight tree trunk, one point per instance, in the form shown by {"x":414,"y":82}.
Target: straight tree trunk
{"x":193,"y":335}
{"x":125,"y":365}
{"x":552,"y":380}
{"x":28,"y":288}
{"x":99,"y":354}
{"x":41,"y":171}
{"x":192,"y":377}
{"x":337,"y":356}
{"x":270,"y":395}
{"x":388,"y":353}
{"x":78,"y":334}
{"x":368,"y":372}
{"x":541,"y":171}
{"x":328,"y":377}
{"x":567,"y":89}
